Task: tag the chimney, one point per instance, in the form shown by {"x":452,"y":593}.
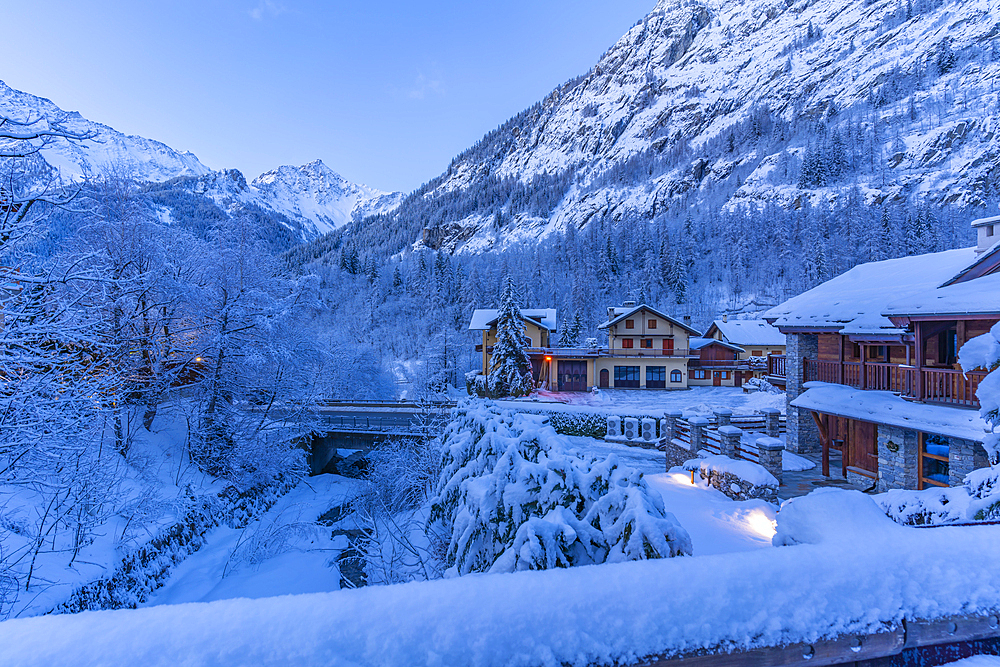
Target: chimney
{"x":725,"y":317}
{"x":629,"y":304}
{"x":687,"y":320}
{"x":988,"y":233}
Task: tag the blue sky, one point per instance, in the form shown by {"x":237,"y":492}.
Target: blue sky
{"x":384,"y":92}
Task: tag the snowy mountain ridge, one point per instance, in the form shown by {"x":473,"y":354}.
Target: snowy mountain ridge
{"x":314,"y":198}
{"x":146,"y":160}
{"x":715,"y":104}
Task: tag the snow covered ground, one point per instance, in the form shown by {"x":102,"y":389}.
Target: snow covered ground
{"x":850,"y":569}
{"x":285,"y":552}
{"x":697,"y":401}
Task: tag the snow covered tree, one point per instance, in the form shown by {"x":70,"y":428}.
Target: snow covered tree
{"x":510,"y":374}
{"x":984,"y":352}
{"x":512,"y":499}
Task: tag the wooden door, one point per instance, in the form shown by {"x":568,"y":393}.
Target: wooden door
{"x":605,"y":379}
{"x":739,"y":378}
{"x":861,"y":446}
{"x":572,"y":376}
{"x":668,"y":346}
{"x":716,"y":378}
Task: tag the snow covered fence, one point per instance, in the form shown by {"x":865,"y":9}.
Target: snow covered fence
{"x":853,"y":586}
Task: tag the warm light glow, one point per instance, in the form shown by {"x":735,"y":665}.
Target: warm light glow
{"x":198,"y":359}
{"x":762,"y":524}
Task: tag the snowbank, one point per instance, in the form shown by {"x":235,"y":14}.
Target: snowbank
{"x":578,"y":616}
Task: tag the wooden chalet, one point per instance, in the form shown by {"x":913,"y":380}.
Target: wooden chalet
{"x":719,"y":364}
{"x":763,"y":347}
{"x":872,"y":365}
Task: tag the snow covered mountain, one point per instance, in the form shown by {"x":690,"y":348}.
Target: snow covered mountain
{"x":147,"y":160}
{"x":712,"y":104}
{"x":308,"y":201}
{"x":316,"y":193}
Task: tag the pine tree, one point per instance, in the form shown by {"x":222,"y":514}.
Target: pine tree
{"x":510,"y":374}
{"x":945,"y":57}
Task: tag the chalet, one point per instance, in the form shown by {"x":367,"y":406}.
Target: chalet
{"x":539,"y":324}
{"x":719,"y":364}
{"x":646,"y":349}
{"x":763,"y":347}
{"x":871,"y":361}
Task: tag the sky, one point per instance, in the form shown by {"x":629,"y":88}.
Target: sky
{"x":385,"y":92}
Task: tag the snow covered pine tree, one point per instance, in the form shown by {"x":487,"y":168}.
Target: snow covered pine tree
{"x":984,"y":484}
{"x":510,"y":371}
{"x":512,"y":499}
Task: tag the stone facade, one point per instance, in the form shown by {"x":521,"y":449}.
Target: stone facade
{"x":898,"y":450}
{"x":964,"y":456}
{"x":803,"y":437}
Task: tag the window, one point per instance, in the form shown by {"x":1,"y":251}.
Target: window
{"x":627,"y":343}
{"x":697,"y":375}
{"x":630,"y":324}
{"x":934,"y":470}
{"x":725,"y":375}
{"x":989,"y":230}
{"x":656,"y":377}
{"x":647,"y":343}
{"x":651,"y":324}
{"x":757,"y":353}
{"x":675,"y":375}
{"x":627,"y":376}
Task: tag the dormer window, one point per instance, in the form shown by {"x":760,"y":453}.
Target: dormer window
{"x":630,"y":324}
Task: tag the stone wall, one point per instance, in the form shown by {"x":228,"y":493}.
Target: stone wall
{"x":803,"y":437}
{"x":898,"y":450}
{"x":964,"y":456}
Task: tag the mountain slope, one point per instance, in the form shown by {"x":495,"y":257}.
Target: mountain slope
{"x":715,"y":104}
{"x":308,"y":201}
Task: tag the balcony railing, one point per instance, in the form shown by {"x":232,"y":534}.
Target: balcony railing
{"x":932,"y":385}
{"x":776,"y":366}
{"x":557,"y":352}
{"x":736,"y":364}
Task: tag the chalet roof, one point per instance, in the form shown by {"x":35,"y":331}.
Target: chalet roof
{"x":975,"y":297}
{"x":698,"y":343}
{"x":485,"y":318}
{"x":883,"y":407}
{"x":624,"y":313}
{"x":855,"y":302}
{"x":747,"y":332}
{"x":986,"y":221}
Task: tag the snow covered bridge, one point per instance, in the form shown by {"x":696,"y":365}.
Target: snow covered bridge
{"x":349,"y":430}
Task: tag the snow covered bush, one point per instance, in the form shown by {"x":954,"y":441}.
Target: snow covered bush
{"x":930,"y":507}
{"x":760,"y":384}
{"x":984,"y":352}
{"x":512,"y":499}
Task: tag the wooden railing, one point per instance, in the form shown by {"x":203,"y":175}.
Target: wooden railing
{"x":945,"y":385}
{"x":776,"y":365}
{"x":890,"y":377}
{"x":932,"y":385}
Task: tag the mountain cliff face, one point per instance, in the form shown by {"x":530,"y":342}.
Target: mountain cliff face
{"x":305,"y":201}
{"x":711,"y":105}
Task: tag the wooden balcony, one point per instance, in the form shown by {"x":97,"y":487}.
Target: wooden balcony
{"x":930,"y":385}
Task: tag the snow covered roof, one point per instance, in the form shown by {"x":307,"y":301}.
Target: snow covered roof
{"x":485,"y":318}
{"x":854,"y":302}
{"x":748,"y":332}
{"x":975,"y":297}
{"x":986,"y":221}
{"x":883,"y":407}
{"x":697,"y":343}
{"x":623,"y":313}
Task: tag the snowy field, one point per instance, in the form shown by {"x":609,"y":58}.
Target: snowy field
{"x":285,"y":552}
{"x":697,"y":401}
{"x":848,"y":569}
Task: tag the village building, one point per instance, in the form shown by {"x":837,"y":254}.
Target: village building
{"x":646,"y":349}
{"x":719,"y":364}
{"x":763,"y":347}
{"x":872,"y":365}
